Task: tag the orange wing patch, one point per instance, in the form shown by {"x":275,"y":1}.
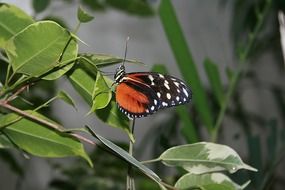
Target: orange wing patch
{"x":130,"y":99}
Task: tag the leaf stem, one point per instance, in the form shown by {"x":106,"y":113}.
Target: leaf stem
{"x":77,"y":28}
{"x":151,"y":161}
{"x":130,"y":177}
{"x":243,"y":56}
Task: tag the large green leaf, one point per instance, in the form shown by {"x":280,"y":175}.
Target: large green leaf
{"x":39,"y":140}
{"x":102,"y":93}
{"x":37,"y":49}
{"x":185,"y":61}
{"x":213,"y":181}
{"x":83,"y":82}
{"x":66,"y":63}
{"x":8,"y":119}
{"x":204,"y":157}
{"x":12,"y":21}
{"x":214,"y":80}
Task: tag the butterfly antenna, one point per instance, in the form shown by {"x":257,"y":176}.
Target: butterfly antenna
{"x":126,"y":49}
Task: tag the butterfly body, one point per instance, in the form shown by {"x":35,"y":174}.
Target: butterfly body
{"x":140,"y":94}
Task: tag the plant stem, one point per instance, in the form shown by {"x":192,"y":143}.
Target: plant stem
{"x":130,"y":177}
{"x":243,"y":56}
{"x":7,"y":75}
{"x":47,"y":123}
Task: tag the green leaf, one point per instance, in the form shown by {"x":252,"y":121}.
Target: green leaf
{"x":39,"y":140}
{"x":137,"y":7}
{"x":66,"y":98}
{"x":66,"y":63}
{"x":159,"y":68}
{"x":272,"y":139}
{"x":213,"y":181}
{"x":188,"y":129}
{"x":185,"y":61}
{"x":40,"y":5}
{"x":255,"y":157}
{"x":83,"y":82}
{"x":83,"y":16}
{"x":112,"y":116}
{"x":94,"y":5}
{"x":5,"y":142}
{"x":204,"y":157}
{"x":101,"y":94}
{"x":126,"y":156}
{"x":37,"y":49}
{"x":8,"y":119}
{"x":214,"y":80}
{"x":12,"y":21}
{"x":230,"y":73}
{"x":104,"y":60}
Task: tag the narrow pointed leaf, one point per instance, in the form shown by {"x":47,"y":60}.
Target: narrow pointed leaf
{"x":101,"y":94}
{"x":66,"y":98}
{"x":127,"y":157}
{"x":39,"y":140}
{"x":214,"y":79}
{"x":103,"y":60}
{"x":204,"y":157}
{"x":12,"y":21}
{"x":185,"y":61}
{"x":37,"y":49}
{"x":272,"y":139}
{"x":5,"y":142}
{"x":230,"y":73}
{"x":83,"y":16}
{"x":213,"y":181}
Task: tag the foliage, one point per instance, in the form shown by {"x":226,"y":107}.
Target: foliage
{"x":38,"y":52}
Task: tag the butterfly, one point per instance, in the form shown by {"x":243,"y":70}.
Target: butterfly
{"x":140,"y":94}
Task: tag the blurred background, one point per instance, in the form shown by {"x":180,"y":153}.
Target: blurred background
{"x":215,"y":31}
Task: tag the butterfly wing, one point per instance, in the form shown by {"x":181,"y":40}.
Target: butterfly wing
{"x":135,"y":99}
{"x":143,"y":93}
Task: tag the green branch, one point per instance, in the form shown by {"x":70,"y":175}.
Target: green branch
{"x":243,"y":56}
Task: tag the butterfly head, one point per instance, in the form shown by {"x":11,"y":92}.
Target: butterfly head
{"x":120,"y":73}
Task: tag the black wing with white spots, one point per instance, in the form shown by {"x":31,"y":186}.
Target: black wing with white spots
{"x":162,"y":90}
